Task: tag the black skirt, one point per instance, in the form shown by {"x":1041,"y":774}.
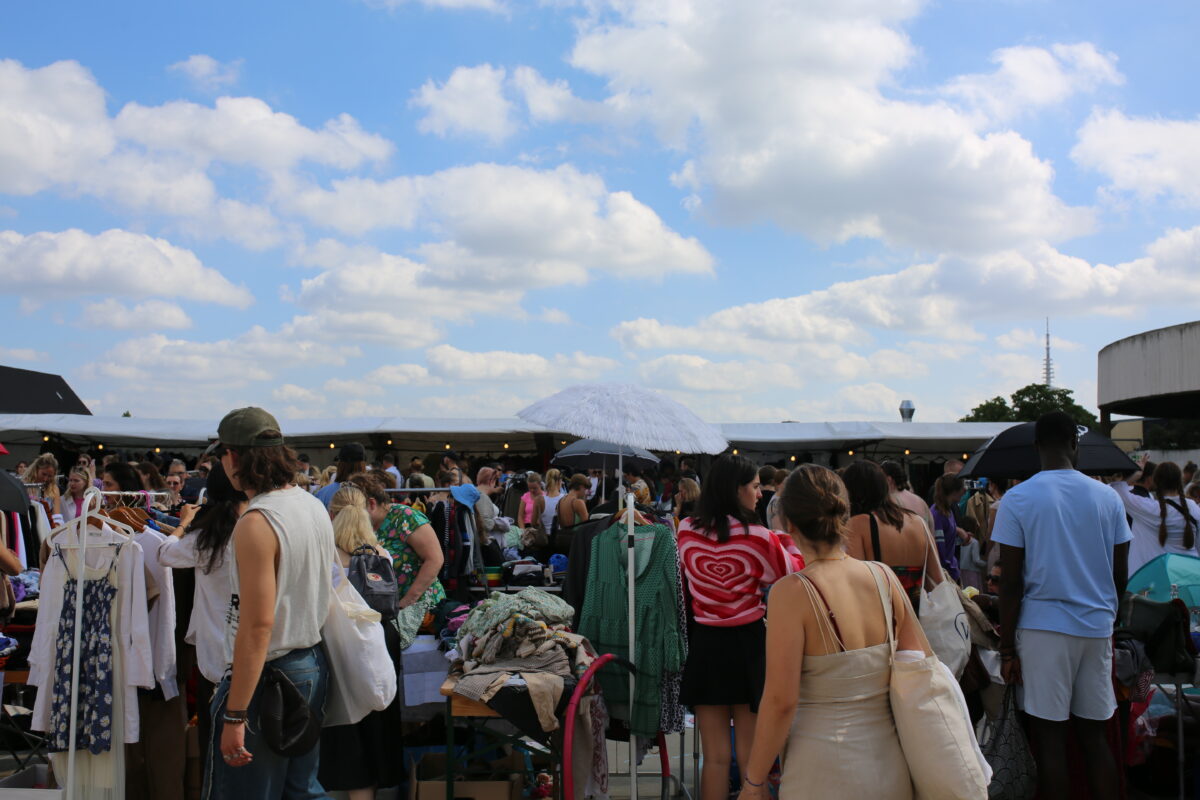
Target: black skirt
{"x":725,"y":666}
{"x":367,"y":753}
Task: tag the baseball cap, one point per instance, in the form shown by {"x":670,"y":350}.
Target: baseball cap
{"x":351,"y":452}
{"x":242,"y":427}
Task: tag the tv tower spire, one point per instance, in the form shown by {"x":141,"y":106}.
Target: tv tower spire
{"x":1048,"y":367}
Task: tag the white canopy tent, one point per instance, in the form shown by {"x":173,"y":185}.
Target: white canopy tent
{"x":476,"y":436}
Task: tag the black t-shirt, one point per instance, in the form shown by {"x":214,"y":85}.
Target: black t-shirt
{"x":761,"y":508}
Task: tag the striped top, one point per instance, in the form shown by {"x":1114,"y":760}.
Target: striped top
{"x":726,"y":579}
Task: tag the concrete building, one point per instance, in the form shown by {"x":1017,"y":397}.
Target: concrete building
{"x":1151,"y":374}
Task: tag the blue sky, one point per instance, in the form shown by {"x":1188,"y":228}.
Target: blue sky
{"x":769,"y":210}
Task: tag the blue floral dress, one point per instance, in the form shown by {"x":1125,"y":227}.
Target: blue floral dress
{"x":94,"y":723}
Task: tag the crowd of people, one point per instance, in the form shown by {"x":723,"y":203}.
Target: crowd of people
{"x":802,"y":583}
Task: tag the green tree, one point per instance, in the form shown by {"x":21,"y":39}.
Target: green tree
{"x":127,"y":414}
{"x":1030,"y":402}
{"x":994,"y":410}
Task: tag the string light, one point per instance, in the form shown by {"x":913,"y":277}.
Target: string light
{"x":851,"y":452}
{"x":793,"y":458}
{"x":331,"y":445}
{"x":506,"y":445}
{"x":906,"y":452}
{"x":389,"y":442}
{"x":447,"y":445}
{"x":965,"y":456}
{"x":158,"y":449}
{"x":735,"y":451}
{"x":45,"y":438}
{"x":676,"y":452}
{"x":563,"y":441}
{"x":99,"y":447}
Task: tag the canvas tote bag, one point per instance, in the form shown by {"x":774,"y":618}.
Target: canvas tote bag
{"x":935,"y":733}
{"x":945,"y":622}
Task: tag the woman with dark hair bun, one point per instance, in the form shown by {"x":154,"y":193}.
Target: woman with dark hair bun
{"x":728,"y":559}
{"x":881,"y":530}
{"x":829,"y":660}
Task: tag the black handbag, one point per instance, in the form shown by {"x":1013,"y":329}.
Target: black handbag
{"x":1164,"y":629}
{"x":288,"y":725}
{"x":1014,"y":772}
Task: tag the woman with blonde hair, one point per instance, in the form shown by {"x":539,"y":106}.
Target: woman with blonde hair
{"x":685,"y":500}
{"x":355,"y":758}
{"x":327,"y":475}
{"x":44,"y":472}
{"x":72,"y":503}
{"x":546,"y":506}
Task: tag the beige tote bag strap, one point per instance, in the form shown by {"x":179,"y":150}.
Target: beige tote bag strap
{"x":885,"y":597}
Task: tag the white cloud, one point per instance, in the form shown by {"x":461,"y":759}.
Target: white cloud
{"x":508,"y":224}
{"x":785,"y":105}
{"x":112,"y":314}
{"x":555,"y":102}
{"x":1028,"y":78}
{"x":22,"y":354}
{"x":1147,"y":157}
{"x":208,"y":74}
{"x":393,"y":299}
{"x":1017,"y":339}
{"x":471,"y":102}
{"x":402,"y":375}
{"x":353,"y":387}
{"x":698,"y":374}
{"x":454,"y":364}
{"x":940,"y":301}
{"x":555,"y":316}
{"x":74,"y":263}
{"x":53,"y":125}
{"x":1024,"y":338}
{"x":256,"y":355}
{"x":246,"y":131}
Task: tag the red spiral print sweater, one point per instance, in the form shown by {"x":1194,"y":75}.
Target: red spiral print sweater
{"x":726,"y":579}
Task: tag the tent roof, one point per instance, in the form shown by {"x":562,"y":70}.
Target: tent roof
{"x":412,"y":433}
{"x":29,"y":392}
{"x":886,"y":436}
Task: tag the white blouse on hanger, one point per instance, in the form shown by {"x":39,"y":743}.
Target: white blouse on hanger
{"x":162,"y":614}
{"x":133,"y":624}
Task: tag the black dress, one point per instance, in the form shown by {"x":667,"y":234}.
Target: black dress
{"x":367,"y":753}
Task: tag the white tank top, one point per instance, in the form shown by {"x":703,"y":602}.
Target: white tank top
{"x":550,"y":510}
{"x":304,"y":581}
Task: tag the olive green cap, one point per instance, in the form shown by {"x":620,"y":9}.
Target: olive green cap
{"x":243,"y":426}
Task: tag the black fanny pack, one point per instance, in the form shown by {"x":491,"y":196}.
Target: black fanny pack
{"x":288,"y":725}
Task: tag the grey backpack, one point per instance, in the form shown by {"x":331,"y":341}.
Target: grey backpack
{"x":375,"y":579}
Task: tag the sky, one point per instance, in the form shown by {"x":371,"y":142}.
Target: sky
{"x":770,"y":210}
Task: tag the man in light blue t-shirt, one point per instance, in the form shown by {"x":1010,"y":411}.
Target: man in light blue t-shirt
{"x":1064,"y":544}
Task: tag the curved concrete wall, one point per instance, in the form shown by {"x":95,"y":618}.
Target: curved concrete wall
{"x":1151,"y":364}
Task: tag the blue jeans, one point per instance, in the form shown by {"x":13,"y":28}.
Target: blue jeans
{"x":269,"y":776}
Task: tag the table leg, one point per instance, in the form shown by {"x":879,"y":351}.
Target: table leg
{"x":449,"y":750}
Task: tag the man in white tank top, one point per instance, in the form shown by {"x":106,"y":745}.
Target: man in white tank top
{"x":280,"y":588}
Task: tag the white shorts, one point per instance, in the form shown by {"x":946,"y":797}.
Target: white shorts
{"x":1064,"y":676}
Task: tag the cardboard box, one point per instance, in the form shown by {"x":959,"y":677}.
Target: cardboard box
{"x":427,"y":782}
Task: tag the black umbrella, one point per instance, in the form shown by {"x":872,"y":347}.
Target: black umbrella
{"x":12,"y":493}
{"x":595,"y":454}
{"x":1011,"y":454}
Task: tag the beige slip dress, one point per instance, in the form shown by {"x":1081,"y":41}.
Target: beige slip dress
{"x":843,"y":740}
